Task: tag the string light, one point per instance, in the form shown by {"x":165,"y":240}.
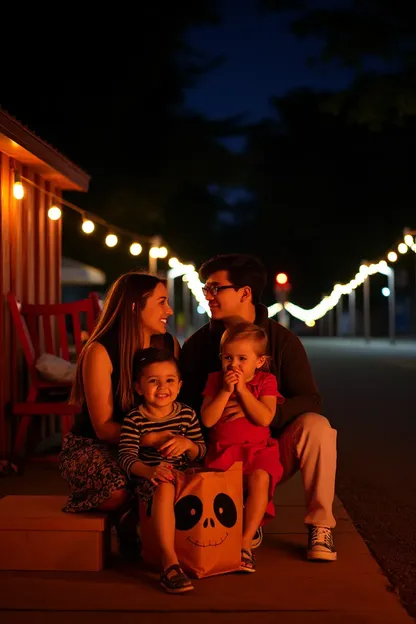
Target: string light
{"x":191,"y":278}
{"x":329,"y":302}
{"x":173,"y":263}
{"x":88,"y":226}
{"x":274,"y":309}
{"x":309,"y":317}
{"x":54,"y":213}
{"x":111,"y":240}
{"x":177,"y":268}
{"x":135,"y":249}
{"x":158,"y":252}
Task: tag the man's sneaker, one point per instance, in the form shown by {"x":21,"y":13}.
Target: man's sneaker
{"x":258,"y":538}
{"x":321,"y":544}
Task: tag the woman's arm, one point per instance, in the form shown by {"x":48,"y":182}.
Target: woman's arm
{"x":96,"y":375}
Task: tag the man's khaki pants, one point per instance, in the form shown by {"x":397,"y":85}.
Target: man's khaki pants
{"x":308,"y":444}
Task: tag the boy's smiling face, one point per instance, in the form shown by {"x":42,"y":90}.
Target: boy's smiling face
{"x":159,"y":384}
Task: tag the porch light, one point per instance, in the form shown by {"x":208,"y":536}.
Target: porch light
{"x":18,"y":190}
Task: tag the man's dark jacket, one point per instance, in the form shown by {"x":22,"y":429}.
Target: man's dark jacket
{"x":289,"y":362}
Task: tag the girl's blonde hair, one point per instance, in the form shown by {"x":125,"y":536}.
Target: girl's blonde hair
{"x":246,"y":331}
{"x":125,"y":300}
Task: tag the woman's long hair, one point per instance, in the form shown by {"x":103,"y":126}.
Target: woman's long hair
{"x":124,"y":302}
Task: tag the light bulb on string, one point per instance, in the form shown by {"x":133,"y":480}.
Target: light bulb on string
{"x":173,"y":263}
{"x":135,"y":249}
{"x":163,"y":252}
{"x":54,"y":213}
{"x":402,"y":248}
{"x":392,"y":256}
{"x":18,"y":190}
{"x":88,"y":226}
{"x":111,"y":240}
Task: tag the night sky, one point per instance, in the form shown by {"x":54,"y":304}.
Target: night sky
{"x":262,"y":59}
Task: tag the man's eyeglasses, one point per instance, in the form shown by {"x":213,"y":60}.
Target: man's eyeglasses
{"x":214,"y":290}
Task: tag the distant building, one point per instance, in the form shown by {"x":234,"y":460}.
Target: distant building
{"x":79,"y":279}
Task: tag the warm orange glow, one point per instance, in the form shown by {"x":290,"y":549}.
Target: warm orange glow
{"x":281,"y":278}
{"x":18,"y":190}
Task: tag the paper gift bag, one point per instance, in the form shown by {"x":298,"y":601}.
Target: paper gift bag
{"x":209,"y":521}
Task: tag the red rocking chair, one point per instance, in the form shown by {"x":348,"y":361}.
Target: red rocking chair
{"x":42,"y":328}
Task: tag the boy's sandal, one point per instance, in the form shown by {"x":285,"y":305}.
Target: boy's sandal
{"x":176,"y":583}
{"x":248,"y":561}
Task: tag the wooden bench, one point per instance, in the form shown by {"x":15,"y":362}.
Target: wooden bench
{"x":35,"y":534}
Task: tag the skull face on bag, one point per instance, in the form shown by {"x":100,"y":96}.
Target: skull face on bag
{"x":208,"y":515}
{"x":205,"y":524}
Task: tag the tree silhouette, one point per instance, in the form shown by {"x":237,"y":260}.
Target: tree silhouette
{"x":378,"y":39}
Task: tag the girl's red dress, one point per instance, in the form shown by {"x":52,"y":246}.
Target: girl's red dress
{"x":242,"y":440}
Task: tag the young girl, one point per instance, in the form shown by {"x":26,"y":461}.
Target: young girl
{"x":158,"y":437}
{"x":245,"y":435}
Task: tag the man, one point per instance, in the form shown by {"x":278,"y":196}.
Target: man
{"x":234,"y":284}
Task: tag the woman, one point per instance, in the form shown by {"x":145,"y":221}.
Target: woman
{"x":135,"y":312}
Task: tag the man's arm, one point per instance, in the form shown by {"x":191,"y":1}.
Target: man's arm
{"x":296,"y":384}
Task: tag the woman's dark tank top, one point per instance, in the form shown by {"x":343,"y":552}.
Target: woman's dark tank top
{"x":83,"y":426}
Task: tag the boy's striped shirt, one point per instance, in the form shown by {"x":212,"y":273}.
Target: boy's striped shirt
{"x":181,"y":421}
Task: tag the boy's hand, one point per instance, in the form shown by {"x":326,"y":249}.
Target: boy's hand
{"x":176,"y":446}
{"x":230,"y":380}
{"x":161,"y":474}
